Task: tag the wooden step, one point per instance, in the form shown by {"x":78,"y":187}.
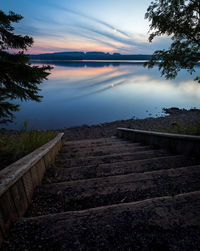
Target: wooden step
{"x":82,"y":194}
{"x":96,"y":160}
{"x":92,"y":142}
{"x":57,"y":174}
{"x":82,"y":147}
{"x":143,"y":225}
{"x":100,"y":151}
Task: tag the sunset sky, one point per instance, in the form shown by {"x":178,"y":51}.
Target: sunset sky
{"x":85,"y":25}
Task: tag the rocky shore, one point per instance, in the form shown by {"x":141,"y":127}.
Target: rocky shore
{"x":174,"y":117}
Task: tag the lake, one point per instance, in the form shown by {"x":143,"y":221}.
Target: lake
{"x":78,"y":93}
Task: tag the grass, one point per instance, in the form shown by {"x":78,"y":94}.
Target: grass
{"x":183,"y":129}
{"x":15,"y":146}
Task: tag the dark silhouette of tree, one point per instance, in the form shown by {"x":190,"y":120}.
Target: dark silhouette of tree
{"x":179,"y":19}
{"x":18,"y":78}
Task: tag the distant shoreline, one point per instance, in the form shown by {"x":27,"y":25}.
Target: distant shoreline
{"x":87,"y":63}
{"x":81,"y":56}
{"x":92,"y":60}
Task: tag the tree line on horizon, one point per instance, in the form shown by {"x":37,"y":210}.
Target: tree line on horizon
{"x":88,"y":56}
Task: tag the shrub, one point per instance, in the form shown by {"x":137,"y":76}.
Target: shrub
{"x":15,"y":146}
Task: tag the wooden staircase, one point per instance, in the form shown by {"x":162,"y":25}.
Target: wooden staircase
{"x":112,"y":194}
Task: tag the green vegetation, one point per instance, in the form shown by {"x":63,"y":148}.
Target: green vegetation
{"x":15,"y":146}
{"x":183,"y":129}
{"x":180,"y":21}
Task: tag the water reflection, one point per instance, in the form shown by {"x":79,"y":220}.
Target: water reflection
{"x":88,"y":93}
{"x":90,"y":63}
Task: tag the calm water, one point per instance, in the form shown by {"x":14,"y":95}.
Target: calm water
{"x":91,"y":93}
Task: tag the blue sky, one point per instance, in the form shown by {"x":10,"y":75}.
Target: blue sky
{"x":85,"y":25}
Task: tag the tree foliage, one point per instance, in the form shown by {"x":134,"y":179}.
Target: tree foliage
{"x":179,"y":19}
{"x":18,"y":78}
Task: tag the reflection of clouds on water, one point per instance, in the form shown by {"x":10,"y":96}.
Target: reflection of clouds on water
{"x":190,"y":88}
{"x":81,"y":79}
{"x":166,"y":88}
{"x":89,"y":81}
{"x":103,"y":89}
{"x":105,"y":81}
{"x":76,"y":73}
{"x":90,"y":95}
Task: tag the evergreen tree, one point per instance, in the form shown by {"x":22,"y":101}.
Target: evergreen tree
{"x":18,"y":78}
{"x":179,"y":19}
